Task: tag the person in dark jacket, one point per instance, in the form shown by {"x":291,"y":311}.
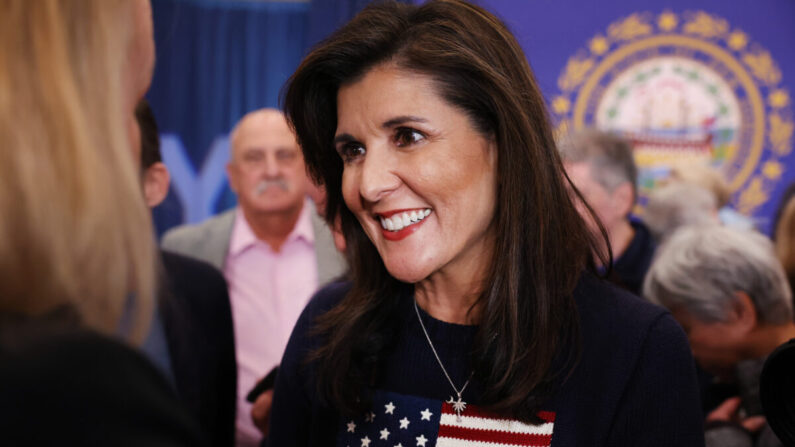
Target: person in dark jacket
{"x":193,"y":304}
{"x":602,"y":167}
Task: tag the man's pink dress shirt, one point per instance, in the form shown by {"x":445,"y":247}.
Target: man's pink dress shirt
{"x":268,"y":290}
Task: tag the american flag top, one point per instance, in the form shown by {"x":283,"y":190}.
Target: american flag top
{"x":398,"y":420}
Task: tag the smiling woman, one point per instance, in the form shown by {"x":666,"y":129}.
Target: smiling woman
{"x":405,"y":150}
{"x":472,"y":313}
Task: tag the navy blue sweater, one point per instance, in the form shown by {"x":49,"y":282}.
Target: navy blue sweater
{"x":634,"y":384}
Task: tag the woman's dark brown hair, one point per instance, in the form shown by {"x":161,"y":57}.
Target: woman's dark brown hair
{"x":528,"y":333}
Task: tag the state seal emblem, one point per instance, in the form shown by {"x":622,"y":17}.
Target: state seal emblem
{"x":683,"y":88}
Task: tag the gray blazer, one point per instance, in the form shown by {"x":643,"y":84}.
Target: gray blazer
{"x":209,"y":242}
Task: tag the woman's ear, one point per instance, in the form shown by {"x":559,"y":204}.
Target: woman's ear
{"x":743,"y":314}
{"x":624,"y":199}
{"x":156,"y":181}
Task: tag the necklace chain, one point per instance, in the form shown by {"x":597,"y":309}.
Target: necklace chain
{"x":444,"y":370}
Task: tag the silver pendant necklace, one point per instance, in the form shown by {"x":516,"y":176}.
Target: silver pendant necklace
{"x":458,"y":404}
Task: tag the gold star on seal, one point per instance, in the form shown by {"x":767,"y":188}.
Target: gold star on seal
{"x":561,"y":105}
{"x":737,"y":40}
{"x":772,"y":170}
{"x":667,"y":21}
{"x":599,"y":45}
{"x":778,"y":99}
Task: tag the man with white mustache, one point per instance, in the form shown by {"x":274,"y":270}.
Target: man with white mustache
{"x":273,"y":248}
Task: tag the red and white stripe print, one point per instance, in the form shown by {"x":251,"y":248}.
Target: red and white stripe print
{"x":478,"y":428}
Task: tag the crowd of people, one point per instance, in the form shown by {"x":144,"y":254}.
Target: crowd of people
{"x":415,"y":257}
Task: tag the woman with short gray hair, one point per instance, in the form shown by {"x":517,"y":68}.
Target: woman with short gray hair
{"x":701,"y":268}
{"x":729,"y":292}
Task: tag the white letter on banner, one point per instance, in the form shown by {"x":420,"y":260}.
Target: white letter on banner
{"x":197,"y":192}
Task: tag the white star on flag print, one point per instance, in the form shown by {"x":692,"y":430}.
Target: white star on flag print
{"x":411,"y":421}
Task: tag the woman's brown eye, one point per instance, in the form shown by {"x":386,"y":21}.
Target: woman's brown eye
{"x":405,"y":136}
{"x":351,"y":151}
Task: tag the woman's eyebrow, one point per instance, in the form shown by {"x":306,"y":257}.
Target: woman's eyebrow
{"x":402,"y":120}
{"x":396,"y":121}
{"x":343,"y":138}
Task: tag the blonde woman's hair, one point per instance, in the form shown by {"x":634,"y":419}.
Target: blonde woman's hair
{"x":74,"y":231}
{"x":706,"y":177}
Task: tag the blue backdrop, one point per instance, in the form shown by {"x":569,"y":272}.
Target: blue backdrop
{"x":561,"y":38}
{"x":218,"y":59}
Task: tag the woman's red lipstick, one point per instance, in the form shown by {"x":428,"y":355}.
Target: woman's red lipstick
{"x":405,"y":231}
